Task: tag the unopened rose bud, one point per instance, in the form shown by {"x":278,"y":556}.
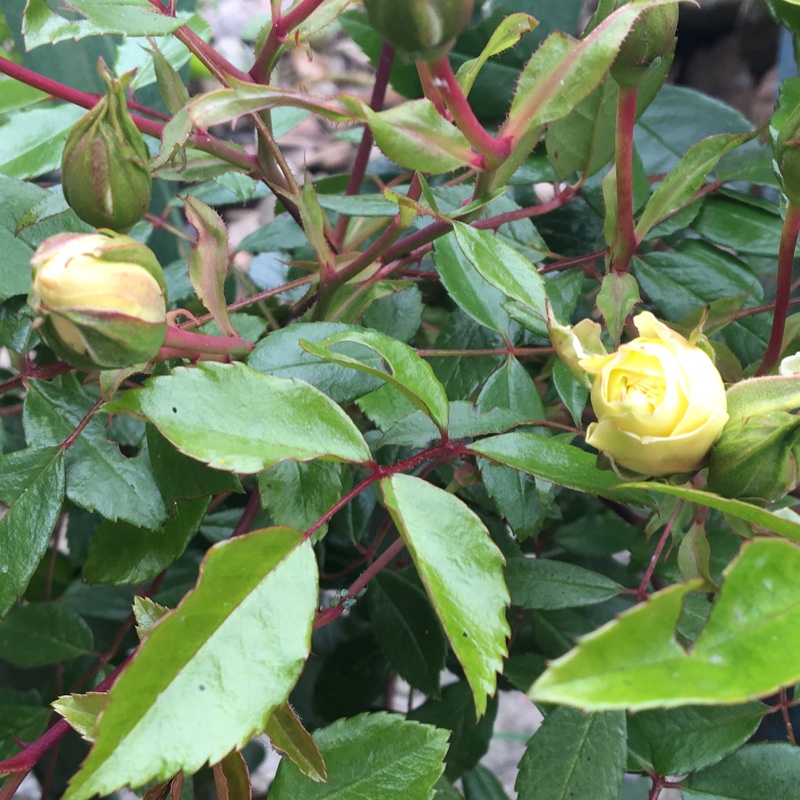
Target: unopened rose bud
{"x":101,"y":299}
{"x":421,"y":30}
{"x":104,"y":170}
{"x":756,"y":457}
{"x":650,"y":39}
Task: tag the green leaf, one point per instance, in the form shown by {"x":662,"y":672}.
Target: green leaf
{"x":572,"y":392}
{"x":617,"y":296}
{"x":208,"y":260}
{"x":15,"y":270}
{"x":147,"y":612}
{"x":547,"y":584}
{"x":183,"y":478}
{"x":504,"y":268}
{"x":32,"y":485}
{"x":43,"y":633}
{"x":680,"y":185}
{"x":507,"y":34}
{"x":465,"y":285}
{"x":81,"y":711}
{"x":232,"y":778}
{"x":481,"y":784}
{"x":22,"y":718}
{"x":99,"y":478}
{"x":736,"y":508}
{"x":281,"y":355}
{"x":192,"y":408}
{"x":123,"y":553}
{"x":297,"y":494}
{"x":188,"y":697}
{"x":407,"y":630}
{"x":683,"y":740}
{"x":738,"y":655}
{"x":457,"y":562}
{"x":513,"y":388}
{"x":574,"y":755}
{"x":31,"y":141}
{"x":404,"y":758}
{"x":767,"y":769}
{"x":404,"y":369}
{"x":416,"y":136}
{"x":557,"y":462}
{"x":398,"y":314}
{"x":470,"y":736}
{"x":127,"y":18}
{"x":287,"y":734}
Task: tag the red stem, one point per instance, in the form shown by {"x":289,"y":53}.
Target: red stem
{"x":641,"y":594}
{"x":365,"y":147}
{"x":431,"y":91}
{"x":249,"y":514}
{"x":791,"y":228}
{"x":189,"y":342}
{"x":625,"y":245}
{"x":495,"y":150}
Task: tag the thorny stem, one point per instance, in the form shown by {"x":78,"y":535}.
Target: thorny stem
{"x":200,"y":141}
{"x":365,"y":147}
{"x":641,"y":594}
{"x":282,"y":26}
{"x":625,"y":242}
{"x":791,"y":229}
{"x":494,"y":150}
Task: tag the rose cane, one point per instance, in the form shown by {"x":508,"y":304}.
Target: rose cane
{"x":660,"y":402}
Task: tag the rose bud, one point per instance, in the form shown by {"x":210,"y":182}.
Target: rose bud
{"x":104,"y":170}
{"x":650,"y":39}
{"x":101,"y":299}
{"x":421,"y":30}
{"x":659,"y":400}
{"x":756,"y":457}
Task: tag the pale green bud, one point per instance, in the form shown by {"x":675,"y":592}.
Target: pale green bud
{"x":104,"y":169}
{"x":101,"y":299}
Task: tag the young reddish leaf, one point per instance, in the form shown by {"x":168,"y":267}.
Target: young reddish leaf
{"x":208,"y":260}
{"x":287,"y":734}
{"x":232,"y":778}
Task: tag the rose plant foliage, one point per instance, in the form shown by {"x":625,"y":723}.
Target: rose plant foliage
{"x":510,"y":407}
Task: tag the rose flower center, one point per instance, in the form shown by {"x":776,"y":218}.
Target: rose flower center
{"x":638,"y":393}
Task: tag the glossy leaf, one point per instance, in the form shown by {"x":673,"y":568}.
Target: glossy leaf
{"x":81,"y":711}
{"x":191,"y":408}
{"x":557,"y":462}
{"x":123,"y":553}
{"x":738,"y":654}
{"x":507,"y":34}
{"x":547,"y":584}
{"x":574,"y":755}
{"x":147,"y":612}
{"x":679,"y":186}
{"x":457,"y":562}
{"x":189,"y":696}
{"x":281,"y":355}
{"x":287,"y":735}
{"x":405,"y":370}
{"x":128,"y":18}
{"x":406,"y":628}
{"x":297,"y":494}
{"x":405,"y":761}
{"x":470,"y":736}
{"x":503,"y":267}
{"x":473,"y":293}
{"x":767,"y":769}
{"x":36,"y":634}
{"x":481,"y":783}
{"x":32,"y":485}
{"x":98,"y":477}
{"x":617,"y":296}
{"x":684,"y":740}
{"x":208,"y":260}
{"x":754,"y":515}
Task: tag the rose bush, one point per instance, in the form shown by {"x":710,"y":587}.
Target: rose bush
{"x":660,"y":402}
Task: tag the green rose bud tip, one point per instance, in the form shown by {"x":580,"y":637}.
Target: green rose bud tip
{"x":421,"y":30}
{"x":100,"y":298}
{"x":104,"y":169}
{"x":651,"y":38}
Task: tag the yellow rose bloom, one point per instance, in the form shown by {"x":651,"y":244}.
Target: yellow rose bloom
{"x":659,"y":400}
